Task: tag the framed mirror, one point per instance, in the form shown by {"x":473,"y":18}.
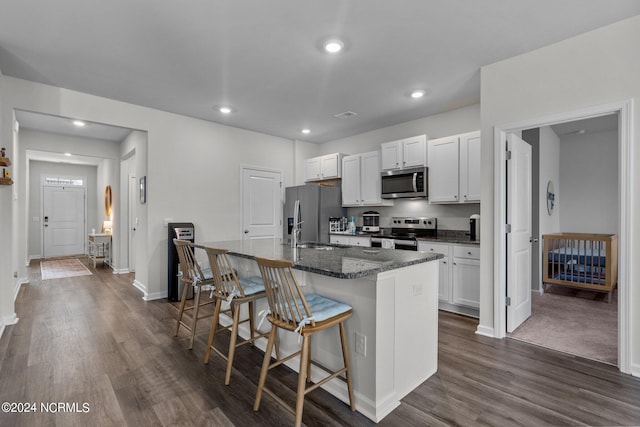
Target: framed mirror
{"x":108,"y":201}
{"x":551,"y":197}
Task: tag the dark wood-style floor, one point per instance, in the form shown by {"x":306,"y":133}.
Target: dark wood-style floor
{"x":93,"y":339}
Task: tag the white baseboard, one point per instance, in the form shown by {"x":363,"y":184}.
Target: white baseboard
{"x":139,"y":286}
{"x":485,"y":331}
{"x":146,"y":295}
{"x":635,"y":370}
{"x":21,"y":281}
{"x":120,"y":270}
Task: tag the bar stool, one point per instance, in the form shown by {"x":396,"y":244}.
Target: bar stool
{"x":235,"y":292}
{"x":192,"y":276}
{"x":293,"y":311}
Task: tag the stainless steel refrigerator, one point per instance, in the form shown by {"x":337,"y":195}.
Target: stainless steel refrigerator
{"x":317,"y":204}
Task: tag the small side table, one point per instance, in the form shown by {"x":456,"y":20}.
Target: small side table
{"x":100,"y":248}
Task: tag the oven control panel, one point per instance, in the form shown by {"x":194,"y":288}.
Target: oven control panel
{"x":420,"y":223}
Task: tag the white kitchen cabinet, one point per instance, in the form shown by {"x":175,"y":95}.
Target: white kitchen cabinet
{"x":361,"y":182}
{"x":363,"y":241}
{"x":466,"y":276}
{"x":404,"y":153}
{"x":444,"y":286}
{"x":454,"y":169}
{"x":459,"y":283}
{"x":323,"y":167}
{"x":470,"y":167}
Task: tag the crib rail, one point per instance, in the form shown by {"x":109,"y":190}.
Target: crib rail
{"x":581,"y":260}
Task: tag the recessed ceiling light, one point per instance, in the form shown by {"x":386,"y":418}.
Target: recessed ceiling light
{"x":225,"y":110}
{"x":67,"y":154}
{"x":416,"y":94}
{"x":333,"y":45}
{"x":306,"y":131}
{"x":79,"y":123}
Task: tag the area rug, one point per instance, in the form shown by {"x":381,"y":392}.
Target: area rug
{"x":573,"y":321}
{"x":60,"y":268}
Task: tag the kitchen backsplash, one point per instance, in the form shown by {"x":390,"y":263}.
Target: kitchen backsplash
{"x":450,"y":217}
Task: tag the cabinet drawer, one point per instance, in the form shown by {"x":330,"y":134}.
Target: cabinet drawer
{"x":360,"y":241}
{"x":442,"y":248}
{"x":466,"y":252}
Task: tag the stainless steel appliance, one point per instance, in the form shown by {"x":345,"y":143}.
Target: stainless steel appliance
{"x":474,"y":227}
{"x":317,"y":204}
{"x":405,"y":232}
{"x":371,"y":221}
{"x":182,"y":231}
{"x":405,"y":183}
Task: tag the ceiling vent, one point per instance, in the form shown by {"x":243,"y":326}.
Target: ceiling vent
{"x":345,"y":115}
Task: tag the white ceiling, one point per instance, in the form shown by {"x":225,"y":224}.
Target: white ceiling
{"x":65,"y":126}
{"x":263,"y":57}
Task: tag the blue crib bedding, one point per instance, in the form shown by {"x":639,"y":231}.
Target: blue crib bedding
{"x":580,"y":255}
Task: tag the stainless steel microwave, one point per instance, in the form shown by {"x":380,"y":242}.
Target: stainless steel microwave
{"x":405,"y":183}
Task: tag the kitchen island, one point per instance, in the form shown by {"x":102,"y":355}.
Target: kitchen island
{"x":393,"y":332}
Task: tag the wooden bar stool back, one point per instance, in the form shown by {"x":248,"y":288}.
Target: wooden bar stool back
{"x":231,"y":290}
{"x":293,"y":311}
{"x":192,"y":276}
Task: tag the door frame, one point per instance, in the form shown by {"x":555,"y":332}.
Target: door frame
{"x":259,"y":168}
{"x":624,"y":109}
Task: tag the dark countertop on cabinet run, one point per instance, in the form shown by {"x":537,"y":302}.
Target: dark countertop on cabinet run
{"x":459,"y":237}
{"x":342,"y":262}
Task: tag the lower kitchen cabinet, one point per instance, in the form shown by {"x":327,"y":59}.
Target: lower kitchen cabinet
{"x":459,"y":285}
{"x":364,"y":241}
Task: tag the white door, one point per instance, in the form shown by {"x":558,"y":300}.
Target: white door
{"x":370,"y":181}
{"x":518,"y":240}
{"x":63,"y":221}
{"x":390,"y":155}
{"x":261,"y":203}
{"x":470,"y":180}
{"x":414,"y":151}
{"x":134,"y":193}
{"x":443,"y":170}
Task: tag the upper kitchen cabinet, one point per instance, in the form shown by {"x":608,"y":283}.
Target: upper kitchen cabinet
{"x":404,"y":153}
{"x":323,"y":167}
{"x":361,"y":181}
{"x":454,"y":169}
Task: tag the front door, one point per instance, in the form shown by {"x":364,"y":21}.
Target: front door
{"x":64,"y":216}
{"x":261,"y":203}
{"x":519,"y":181}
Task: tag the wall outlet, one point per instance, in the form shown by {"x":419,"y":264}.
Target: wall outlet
{"x":361,"y":344}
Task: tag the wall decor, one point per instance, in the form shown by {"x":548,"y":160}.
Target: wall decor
{"x":108,"y":201}
{"x":551,"y":198}
{"x":143,"y":190}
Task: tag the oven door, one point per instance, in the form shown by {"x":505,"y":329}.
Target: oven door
{"x":404,"y":183}
{"x":379,"y":242}
{"x":407,"y":245}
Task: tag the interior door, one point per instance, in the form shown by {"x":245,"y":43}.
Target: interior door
{"x":519,"y":239}
{"x":64,"y":216}
{"x":261,"y":203}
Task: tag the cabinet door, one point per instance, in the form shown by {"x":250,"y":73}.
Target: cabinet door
{"x":443,"y":170}
{"x":351,"y":180}
{"x":470,"y":167}
{"x":370,"y":181}
{"x":312,"y":169}
{"x":414,"y":152}
{"x":466,"y":282}
{"x":339,"y":240}
{"x":391,"y":155}
{"x":444,"y":285}
{"x":329,"y":167}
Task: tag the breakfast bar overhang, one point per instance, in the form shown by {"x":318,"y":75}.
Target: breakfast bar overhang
{"x":393,"y":332}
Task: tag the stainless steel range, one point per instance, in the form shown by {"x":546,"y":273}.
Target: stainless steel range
{"x":405,"y":232}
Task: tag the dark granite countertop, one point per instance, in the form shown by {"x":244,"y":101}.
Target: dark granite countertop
{"x":340,"y":261}
{"x":451,"y":236}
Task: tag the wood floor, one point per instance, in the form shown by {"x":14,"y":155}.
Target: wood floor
{"x":93,"y":339}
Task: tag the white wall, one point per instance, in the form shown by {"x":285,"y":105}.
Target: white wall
{"x":36,"y":170}
{"x":450,"y":217}
{"x":549,"y":171}
{"x":193,"y":168}
{"x":592,"y":69}
{"x":589,"y":182}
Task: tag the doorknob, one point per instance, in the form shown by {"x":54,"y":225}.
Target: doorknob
{"x":246,"y":231}
{"x":532,"y":240}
